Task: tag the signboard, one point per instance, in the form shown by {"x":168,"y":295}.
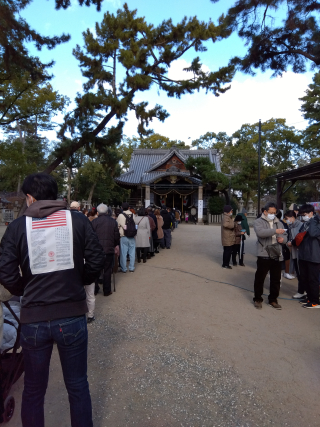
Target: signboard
{"x":200,"y":208}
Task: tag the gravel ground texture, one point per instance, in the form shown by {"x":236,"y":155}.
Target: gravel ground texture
{"x":180,"y":344}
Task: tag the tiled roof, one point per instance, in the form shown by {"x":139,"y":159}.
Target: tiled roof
{"x":143,"y":161}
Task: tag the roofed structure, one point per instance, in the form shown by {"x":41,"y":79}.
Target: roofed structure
{"x":163,"y":174}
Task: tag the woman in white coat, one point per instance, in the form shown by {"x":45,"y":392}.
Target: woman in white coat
{"x":143,"y":234}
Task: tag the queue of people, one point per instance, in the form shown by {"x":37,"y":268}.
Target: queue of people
{"x":280,"y":244}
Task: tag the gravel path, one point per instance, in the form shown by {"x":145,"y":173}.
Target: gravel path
{"x":174,"y":347}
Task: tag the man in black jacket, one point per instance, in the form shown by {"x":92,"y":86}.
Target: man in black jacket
{"x":49,"y":244}
{"x":167,"y":223}
{"x":309,"y":256}
{"x":109,"y":237}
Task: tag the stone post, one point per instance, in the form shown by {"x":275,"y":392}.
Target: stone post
{"x":241,"y":202}
{"x":147,"y":197}
{"x":200,"y":204}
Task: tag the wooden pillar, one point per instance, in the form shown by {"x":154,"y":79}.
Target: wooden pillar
{"x":200,"y":204}
{"x":147,"y":197}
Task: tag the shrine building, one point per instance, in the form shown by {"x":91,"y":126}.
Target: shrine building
{"x":159,"y":177}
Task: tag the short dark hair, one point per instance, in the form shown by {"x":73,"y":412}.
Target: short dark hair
{"x":279,"y":215}
{"x":290,"y":214}
{"x":125,"y":206}
{"x":41,"y":186}
{"x":307,"y":208}
{"x":142,"y":211}
{"x":269,"y":205}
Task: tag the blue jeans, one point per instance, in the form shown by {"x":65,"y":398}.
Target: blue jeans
{"x":127,"y":246}
{"x":37,"y":340}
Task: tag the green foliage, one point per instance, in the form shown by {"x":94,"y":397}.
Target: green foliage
{"x":216,"y":204}
{"x":18,"y":159}
{"x":206,"y":171}
{"x":234,"y":205}
{"x":15,"y":32}
{"x":280,"y":151}
{"x":212,"y":140}
{"x":23,"y":98}
{"x":127,"y":45}
{"x":275,"y":43}
{"x":311,"y":112}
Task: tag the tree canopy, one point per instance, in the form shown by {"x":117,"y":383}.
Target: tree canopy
{"x":273,"y":42}
{"x":128,"y":49}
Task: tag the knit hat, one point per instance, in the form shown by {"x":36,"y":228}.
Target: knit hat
{"x":238,"y":218}
{"x":75,"y":205}
{"x":227,"y":208}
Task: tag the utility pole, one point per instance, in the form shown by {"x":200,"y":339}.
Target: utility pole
{"x":259,"y":166}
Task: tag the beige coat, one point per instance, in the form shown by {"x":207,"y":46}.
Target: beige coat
{"x":121,"y":220}
{"x":228,"y":237}
{"x":160,"y":224}
{"x":143,"y":234}
{"x":4,"y":296}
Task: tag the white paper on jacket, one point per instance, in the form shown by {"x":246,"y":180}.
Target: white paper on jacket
{"x":50,"y":242}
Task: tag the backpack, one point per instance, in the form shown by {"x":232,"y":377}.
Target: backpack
{"x":131,"y":229}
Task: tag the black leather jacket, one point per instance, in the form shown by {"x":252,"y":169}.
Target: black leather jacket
{"x":57,"y":294}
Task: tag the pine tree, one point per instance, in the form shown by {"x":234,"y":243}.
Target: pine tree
{"x":127,"y":56}
{"x":275,"y":43}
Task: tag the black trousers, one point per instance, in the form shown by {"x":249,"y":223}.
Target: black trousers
{"x":144,"y":253}
{"x":107,"y":272}
{"x":237,"y":250}
{"x":309,"y":275}
{"x":263,"y":266}
{"x":227,"y":252}
{"x":301,"y":287}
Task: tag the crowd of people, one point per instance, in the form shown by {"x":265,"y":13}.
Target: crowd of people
{"x":288,"y":243}
{"x":52,"y":259}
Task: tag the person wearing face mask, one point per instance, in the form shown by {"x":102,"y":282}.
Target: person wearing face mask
{"x":228,"y":238}
{"x":309,"y":255}
{"x":239,"y":238}
{"x":294,"y":226}
{"x":271,"y":236}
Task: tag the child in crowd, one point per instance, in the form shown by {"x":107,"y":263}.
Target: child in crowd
{"x":239,"y":239}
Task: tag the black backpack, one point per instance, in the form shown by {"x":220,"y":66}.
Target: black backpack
{"x":131,"y":230}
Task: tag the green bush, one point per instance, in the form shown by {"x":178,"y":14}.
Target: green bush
{"x":216,"y":204}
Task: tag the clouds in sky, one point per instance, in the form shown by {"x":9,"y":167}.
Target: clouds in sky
{"x":248,"y":100}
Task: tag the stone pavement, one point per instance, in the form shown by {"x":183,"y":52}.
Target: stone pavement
{"x":176,"y":347}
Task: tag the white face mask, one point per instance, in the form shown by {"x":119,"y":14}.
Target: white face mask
{"x":239,"y":222}
{"x":306,"y":218}
{"x":288,"y":221}
{"x":271,"y":216}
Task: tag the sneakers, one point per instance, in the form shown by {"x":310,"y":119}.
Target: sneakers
{"x":310,"y":305}
{"x":298,"y":296}
{"x":304,"y":300}
{"x":258,"y":304}
{"x":90,"y":319}
{"x":275,"y":305}
{"x":131,"y":271}
{"x":227,"y":266}
{"x":288,"y":276}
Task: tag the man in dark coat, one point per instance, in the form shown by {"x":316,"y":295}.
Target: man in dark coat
{"x":109,"y":237}
{"x":167,"y":221}
{"x":42,"y":258}
{"x":154,"y":231}
{"x":309,"y":255}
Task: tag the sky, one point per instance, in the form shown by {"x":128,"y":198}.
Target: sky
{"x":248,"y":100}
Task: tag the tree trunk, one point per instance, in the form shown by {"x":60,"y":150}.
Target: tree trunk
{"x":23,"y":141}
{"x":91,"y":192}
{"x":69,"y":185}
{"x":226,"y":195}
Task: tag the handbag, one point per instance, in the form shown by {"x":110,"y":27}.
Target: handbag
{"x":299,"y":238}
{"x":273,"y":251}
